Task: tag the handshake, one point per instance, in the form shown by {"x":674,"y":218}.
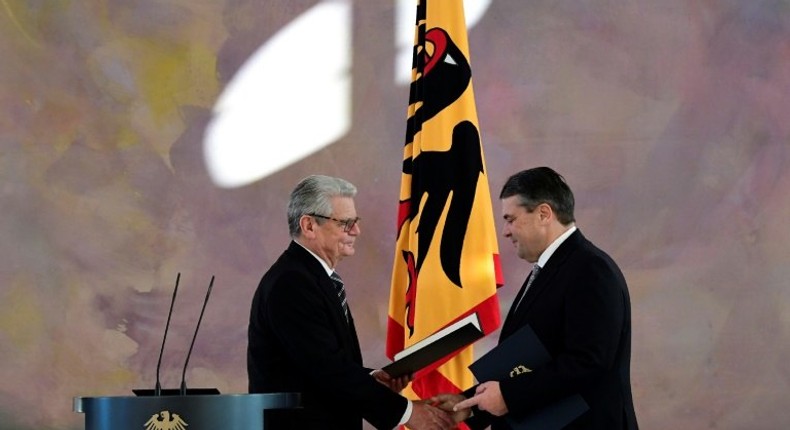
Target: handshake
{"x":445,"y":411}
{"x":438,"y":412}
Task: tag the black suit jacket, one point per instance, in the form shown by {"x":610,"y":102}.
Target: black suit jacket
{"x":580,"y":309}
{"x":300,"y":341}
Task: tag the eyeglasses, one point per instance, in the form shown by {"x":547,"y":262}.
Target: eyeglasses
{"x":347,"y":224}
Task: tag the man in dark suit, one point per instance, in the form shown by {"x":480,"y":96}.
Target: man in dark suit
{"x":301,"y":335}
{"x":576,"y":300}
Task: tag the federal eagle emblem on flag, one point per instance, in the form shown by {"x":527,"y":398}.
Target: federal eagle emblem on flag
{"x":446,"y":264}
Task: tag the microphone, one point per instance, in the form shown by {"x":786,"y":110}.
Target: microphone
{"x":184,"y":372}
{"x":158,"y":389}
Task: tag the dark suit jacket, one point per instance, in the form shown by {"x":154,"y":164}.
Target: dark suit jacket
{"x":299,"y":341}
{"x":580,"y":309}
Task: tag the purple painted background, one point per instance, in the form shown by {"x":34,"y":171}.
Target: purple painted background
{"x":668,"y":118}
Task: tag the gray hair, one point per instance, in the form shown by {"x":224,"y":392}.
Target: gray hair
{"x":313,"y":195}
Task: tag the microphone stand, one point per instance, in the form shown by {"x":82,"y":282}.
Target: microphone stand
{"x":184,"y":372}
{"x":158,"y":388}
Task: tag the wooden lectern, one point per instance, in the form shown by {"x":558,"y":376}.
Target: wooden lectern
{"x":190,"y":412}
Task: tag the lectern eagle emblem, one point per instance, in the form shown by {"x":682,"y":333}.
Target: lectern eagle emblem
{"x":165,"y":421}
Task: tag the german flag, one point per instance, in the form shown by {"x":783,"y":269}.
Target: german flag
{"x":446,"y":263}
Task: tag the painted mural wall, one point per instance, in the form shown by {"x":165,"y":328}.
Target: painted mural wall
{"x":139,"y":140}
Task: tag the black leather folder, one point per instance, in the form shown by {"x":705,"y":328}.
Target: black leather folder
{"x":519,"y":353}
{"x":439,"y":345}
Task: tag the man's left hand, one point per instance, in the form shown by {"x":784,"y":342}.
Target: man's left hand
{"x":395,"y":384}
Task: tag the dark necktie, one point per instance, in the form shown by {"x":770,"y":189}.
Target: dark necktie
{"x":341,"y":292}
{"x":532,"y":275}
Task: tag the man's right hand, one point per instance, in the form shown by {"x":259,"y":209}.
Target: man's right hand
{"x":447,"y":402}
{"x":425,"y":416}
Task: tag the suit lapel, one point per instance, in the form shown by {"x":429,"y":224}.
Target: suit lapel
{"x":325,"y":285}
{"x":327,"y":290}
{"x":512,"y":310}
{"x":541,"y":283}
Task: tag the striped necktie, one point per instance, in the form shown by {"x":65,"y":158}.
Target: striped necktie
{"x":341,"y":293}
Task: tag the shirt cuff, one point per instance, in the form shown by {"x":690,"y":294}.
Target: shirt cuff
{"x":407,"y":413}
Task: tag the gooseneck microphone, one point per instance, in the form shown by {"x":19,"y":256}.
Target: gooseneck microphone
{"x":184,"y":372}
{"x":158,"y":389}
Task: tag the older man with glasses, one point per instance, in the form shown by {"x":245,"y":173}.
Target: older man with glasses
{"x":301,"y":335}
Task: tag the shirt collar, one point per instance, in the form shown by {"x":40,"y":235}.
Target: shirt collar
{"x":326,"y":267}
{"x":544,"y":257}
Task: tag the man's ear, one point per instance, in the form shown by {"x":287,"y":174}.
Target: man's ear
{"x":308,"y":226}
{"x":545,"y":213}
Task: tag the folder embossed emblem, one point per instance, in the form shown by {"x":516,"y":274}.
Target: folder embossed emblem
{"x":518,"y":370}
{"x":519,"y":354}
